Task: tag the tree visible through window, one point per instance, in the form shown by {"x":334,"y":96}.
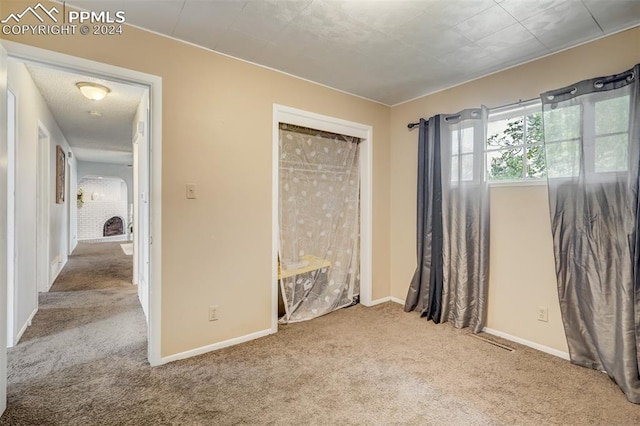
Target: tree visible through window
{"x":514,"y":144}
{"x":515,"y":149}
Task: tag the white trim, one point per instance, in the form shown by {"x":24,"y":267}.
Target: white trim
{"x":3,"y":228}
{"x":25,"y":326}
{"x":154,"y":83}
{"x":275,"y":228}
{"x":534,"y":345}
{"x":317,"y":121}
{"x":43,"y":212}
{"x":379,"y":301}
{"x":71,"y":205}
{"x":11,"y":217}
{"x":285,"y":114}
{"x":215,"y":346}
{"x":522,"y":182}
{"x":397,"y":300}
{"x":155,"y":215}
{"x":366,"y":217}
{"x":59,"y":267}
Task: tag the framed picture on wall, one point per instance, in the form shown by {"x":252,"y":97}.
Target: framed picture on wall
{"x":60,"y":173}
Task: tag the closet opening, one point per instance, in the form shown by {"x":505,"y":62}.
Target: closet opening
{"x":322,"y":215}
{"x":319,"y":221}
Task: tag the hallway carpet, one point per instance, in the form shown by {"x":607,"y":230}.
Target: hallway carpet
{"x":83,"y":362}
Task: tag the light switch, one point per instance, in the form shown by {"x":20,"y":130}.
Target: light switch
{"x":191,"y":190}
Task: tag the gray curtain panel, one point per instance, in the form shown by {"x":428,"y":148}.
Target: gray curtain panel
{"x":465,"y":219}
{"x":592,"y":144}
{"x":450,"y":282}
{"x":425,"y":291}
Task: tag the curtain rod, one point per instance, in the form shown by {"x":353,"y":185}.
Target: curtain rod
{"x":519,"y":102}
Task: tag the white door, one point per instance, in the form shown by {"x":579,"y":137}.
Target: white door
{"x":11,"y":206}
{"x":3,"y":228}
{"x":72,"y":225}
{"x":43,"y":193}
{"x":142,"y":218}
{"x":136,"y":210}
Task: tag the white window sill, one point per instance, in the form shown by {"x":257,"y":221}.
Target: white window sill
{"x":523,"y":182}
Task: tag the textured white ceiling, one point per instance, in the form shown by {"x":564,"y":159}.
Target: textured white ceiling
{"x":107,"y":138}
{"x":386,"y":50}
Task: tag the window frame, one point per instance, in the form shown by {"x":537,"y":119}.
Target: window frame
{"x":587,"y":131}
{"x":477,"y":155}
{"x":512,"y":111}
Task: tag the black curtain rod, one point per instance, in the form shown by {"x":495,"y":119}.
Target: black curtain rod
{"x":519,"y":102}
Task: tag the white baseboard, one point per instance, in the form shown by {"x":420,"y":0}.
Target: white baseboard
{"x":384,"y":300}
{"x":378,"y":301}
{"x":534,"y":345}
{"x":215,"y":346}
{"x":60,"y":265}
{"x":26,"y":324}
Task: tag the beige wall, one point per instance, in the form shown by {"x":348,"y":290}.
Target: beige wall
{"x":522,"y":273}
{"x":217,"y":130}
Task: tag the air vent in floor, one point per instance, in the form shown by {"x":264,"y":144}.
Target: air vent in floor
{"x":491,"y":342}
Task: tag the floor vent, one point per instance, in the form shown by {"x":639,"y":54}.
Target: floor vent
{"x":491,"y":342}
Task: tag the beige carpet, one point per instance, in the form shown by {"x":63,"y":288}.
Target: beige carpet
{"x":83,"y":362}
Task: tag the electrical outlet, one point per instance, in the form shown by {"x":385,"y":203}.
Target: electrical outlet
{"x":213,"y":313}
{"x":543,"y":313}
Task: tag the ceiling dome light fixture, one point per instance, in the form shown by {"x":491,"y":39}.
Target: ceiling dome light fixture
{"x":93,"y":91}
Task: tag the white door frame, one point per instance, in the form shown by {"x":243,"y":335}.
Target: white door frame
{"x":72,"y":202}
{"x":136,"y":200}
{"x":141,"y":209}
{"x":154,"y":84}
{"x":285,"y":114}
{"x":3,"y":227}
{"x":11,"y":210}
{"x":43,"y":195}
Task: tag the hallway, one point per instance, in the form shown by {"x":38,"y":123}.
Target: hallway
{"x":89,"y":331}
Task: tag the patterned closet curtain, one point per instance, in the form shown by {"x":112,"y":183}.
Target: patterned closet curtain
{"x":319,"y":222}
{"x":592,"y":141}
{"x":450,"y":282}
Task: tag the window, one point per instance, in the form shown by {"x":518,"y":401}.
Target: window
{"x":462,"y":154}
{"x":611,"y":135}
{"x":602,"y":122}
{"x":463,"y":142}
{"x":563,"y":134}
{"x":514,"y":148}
